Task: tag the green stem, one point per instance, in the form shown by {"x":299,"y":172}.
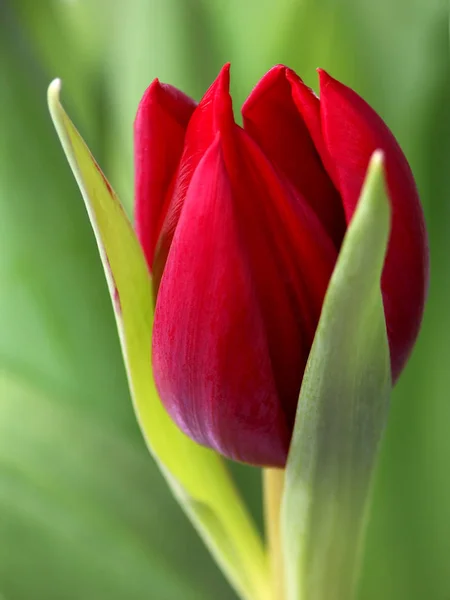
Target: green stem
{"x":273,"y":483}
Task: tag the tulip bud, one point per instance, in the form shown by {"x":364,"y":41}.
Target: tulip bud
{"x":241,"y":228}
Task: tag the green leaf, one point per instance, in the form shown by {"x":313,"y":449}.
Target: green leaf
{"x":341,"y":413}
{"x":198,"y":477}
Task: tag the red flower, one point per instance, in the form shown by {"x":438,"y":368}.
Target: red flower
{"x":241,"y":228}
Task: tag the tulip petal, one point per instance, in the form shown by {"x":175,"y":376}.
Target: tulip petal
{"x":210,"y":355}
{"x":159,"y":131}
{"x":352,"y":131}
{"x":273,"y":120}
{"x":200,"y":134}
{"x":239,"y":301}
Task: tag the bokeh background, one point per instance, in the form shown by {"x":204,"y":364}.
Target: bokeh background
{"x":84,"y":513}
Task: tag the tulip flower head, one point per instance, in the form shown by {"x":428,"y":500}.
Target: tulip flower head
{"x":241,"y":228}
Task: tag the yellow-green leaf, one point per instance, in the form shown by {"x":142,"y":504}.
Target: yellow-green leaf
{"x":197,"y":476}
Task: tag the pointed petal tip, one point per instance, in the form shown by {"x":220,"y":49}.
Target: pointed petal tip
{"x":154,"y":86}
{"x":325,"y":79}
{"x":219,"y":91}
{"x":223,"y":78}
{"x":266,"y":82}
{"x":277,"y":70}
{"x":219,"y":97}
{"x":174,"y":102}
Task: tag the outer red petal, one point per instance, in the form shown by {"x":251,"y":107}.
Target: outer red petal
{"x":273,"y":120}
{"x":239,"y":301}
{"x":159,"y":131}
{"x":352,"y":131}
{"x":210,"y":355}
{"x":200,"y":134}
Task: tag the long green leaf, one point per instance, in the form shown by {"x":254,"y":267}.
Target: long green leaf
{"x":197,"y":476}
{"x":341,"y":414}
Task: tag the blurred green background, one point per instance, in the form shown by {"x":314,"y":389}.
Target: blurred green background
{"x":84,"y":512}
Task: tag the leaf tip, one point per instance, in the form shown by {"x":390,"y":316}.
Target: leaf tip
{"x":374,"y":193}
{"x":53,"y":92}
{"x":376,"y":163}
{"x":375,"y":174}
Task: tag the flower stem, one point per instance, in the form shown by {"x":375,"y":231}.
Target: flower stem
{"x":273,"y":483}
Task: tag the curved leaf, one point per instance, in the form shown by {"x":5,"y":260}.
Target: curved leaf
{"x":341,"y":413}
{"x":197,"y":476}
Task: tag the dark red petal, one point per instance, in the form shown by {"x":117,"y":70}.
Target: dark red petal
{"x":352,"y":131}
{"x":200,"y":134}
{"x":273,"y":120}
{"x":210,"y":355}
{"x":239,"y":301}
{"x":159,"y":131}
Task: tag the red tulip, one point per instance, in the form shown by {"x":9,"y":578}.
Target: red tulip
{"x":241,"y":228}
